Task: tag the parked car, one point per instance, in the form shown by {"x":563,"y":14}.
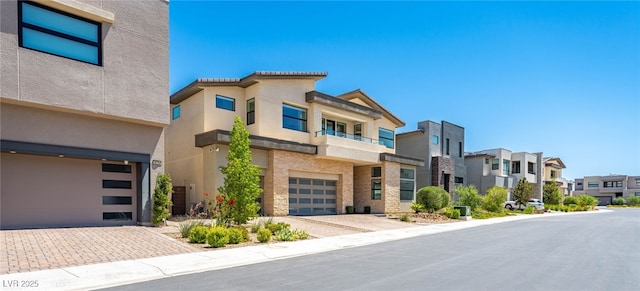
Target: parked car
{"x":539,"y":205}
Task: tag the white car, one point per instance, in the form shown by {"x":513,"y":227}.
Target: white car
{"x":539,"y":205}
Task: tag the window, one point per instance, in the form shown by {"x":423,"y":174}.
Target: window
{"x":579,"y":184}
{"x":612,"y":184}
{"x":592,"y":185}
{"x":495,"y":164}
{"x":407,"y":184}
{"x":637,"y":182}
{"x":58,"y":33}
{"x":435,"y":139}
{"x":458,"y":180}
{"x":553,"y":174}
{"x":446,"y":144}
{"x":376,"y":189}
{"x":294,"y":118}
{"x":341,"y":129}
{"x":175,"y":113}
{"x":637,"y":194}
{"x":376,"y":172}
{"x":505,"y":167}
{"x":251,"y":111}
{"x":515,"y":166}
{"x":460,"y":149}
{"x":386,"y":137}
{"x":530,"y":168}
{"x":357,"y":131}
{"x":227,"y":103}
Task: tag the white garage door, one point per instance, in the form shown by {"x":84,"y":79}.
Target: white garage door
{"x":312,"y":196}
{"x":45,"y":191}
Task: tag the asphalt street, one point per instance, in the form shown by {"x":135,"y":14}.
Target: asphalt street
{"x":580,"y":252}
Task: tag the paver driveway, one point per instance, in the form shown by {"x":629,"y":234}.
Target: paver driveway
{"x":40,"y":249}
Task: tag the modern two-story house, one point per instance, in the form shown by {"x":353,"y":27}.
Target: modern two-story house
{"x":441,"y":145}
{"x":553,"y":172}
{"x":606,"y":188}
{"x":317,"y":153}
{"x":501,"y":167}
{"x":83,"y":106}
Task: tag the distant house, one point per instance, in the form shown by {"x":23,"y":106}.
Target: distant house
{"x":318,"y":153}
{"x":501,"y":167}
{"x":606,"y":188}
{"x":83,"y":93}
{"x":441,"y":145}
{"x":553,"y":172}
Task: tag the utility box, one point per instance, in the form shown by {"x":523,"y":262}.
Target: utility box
{"x":464,"y":210}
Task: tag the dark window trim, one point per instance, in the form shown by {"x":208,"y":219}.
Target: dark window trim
{"x":116,"y":184}
{"x":460,"y":149}
{"x":233,"y":102}
{"x":379,"y":181}
{"x":251,"y":115}
{"x":305,"y":120}
{"x":392,"y":139}
{"x":116,"y":168}
{"x":447,"y":146}
{"x":117,"y":200}
{"x":22,"y":25}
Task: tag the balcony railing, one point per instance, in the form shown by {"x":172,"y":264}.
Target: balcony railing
{"x":348,"y":136}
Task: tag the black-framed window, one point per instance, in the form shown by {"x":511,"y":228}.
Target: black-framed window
{"x":226,"y":103}
{"x":495,"y":164}
{"x":612,"y":184}
{"x":515,"y":167}
{"x":294,"y":118}
{"x":51,"y":31}
{"x":386,"y":137}
{"x":435,"y":139}
{"x":530,"y":168}
{"x":376,"y":172}
{"x":376,"y":189}
{"x":251,"y":111}
{"x":407,"y":184}
{"x":446,"y":144}
{"x":460,"y":149}
{"x":175,"y":112}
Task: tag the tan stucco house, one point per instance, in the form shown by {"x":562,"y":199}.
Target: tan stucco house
{"x":83,"y":105}
{"x":318,"y":153}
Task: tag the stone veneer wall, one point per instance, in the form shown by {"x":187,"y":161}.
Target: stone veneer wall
{"x":276,"y":180}
{"x":391,"y":187}
{"x":362,"y":190}
{"x":440,"y":166}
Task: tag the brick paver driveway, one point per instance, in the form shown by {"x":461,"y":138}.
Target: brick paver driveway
{"x":40,"y":249}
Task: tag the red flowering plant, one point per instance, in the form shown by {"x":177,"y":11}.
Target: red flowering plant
{"x":222,"y":210}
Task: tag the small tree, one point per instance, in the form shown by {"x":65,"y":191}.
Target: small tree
{"x":551,"y":193}
{"x":468,"y":196}
{"x":161,"y":198}
{"x":494,"y":198}
{"x":242,"y":178}
{"x":433,"y":198}
{"x":523,"y":192}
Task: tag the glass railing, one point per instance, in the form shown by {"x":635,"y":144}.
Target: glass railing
{"x":348,"y":136}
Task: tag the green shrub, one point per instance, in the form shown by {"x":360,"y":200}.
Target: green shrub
{"x":255,"y":226}
{"x":618,"y":201}
{"x":275,"y":227}
{"x":529,"y":210}
{"x":417,"y":207}
{"x":160,"y":199}
{"x":300,"y":234}
{"x":633,"y":201}
{"x":405,"y":217}
{"x":587,"y":200}
{"x":264,"y":235}
{"x":186,"y":226}
{"x":284,"y":234}
{"x":198,"y":234}
{"x":452,"y":213}
{"x":494,"y":199}
{"x":218,"y":236}
{"x":433,"y":198}
{"x":570,"y":200}
{"x":245,"y":233}
{"x":483,"y":214}
{"x":235,"y":235}
{"x":468,"y":196}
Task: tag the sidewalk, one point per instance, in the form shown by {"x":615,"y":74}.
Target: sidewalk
{"x":139,"y":270}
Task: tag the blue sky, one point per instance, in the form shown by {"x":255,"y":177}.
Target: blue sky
{"x":558,"y":77}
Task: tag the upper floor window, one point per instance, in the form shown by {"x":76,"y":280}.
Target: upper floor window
{"x":505,"y":167}
{"x":294,"y":118}
{"x":495,"y":164}
{"x":58,"y":33}
{"x":446,"y":145}
{"x":637,"y":182}
{"x":530,"y":167}
{"x":175,"y":112}
{"x":460,"y":149}
{"x":251,"y":111}
{"x":553,"y":174}
{"x":376,"y":172}
{"x":225,"y":103}
{"x":612,"y":184}
{"x":386,"y":137}
{"x":592,"y":185}
{"x":407,"y":184}
{"x":435,"y":139}
{"x":515,"y":167}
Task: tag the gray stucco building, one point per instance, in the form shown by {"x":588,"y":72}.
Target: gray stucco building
{"x":441,"y":145}
{"x":606,"y":188}
{"x":83,"y":105}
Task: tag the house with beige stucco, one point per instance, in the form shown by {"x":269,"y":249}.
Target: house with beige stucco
{"x":83,"y":106}
{"x":553,"y":167}
{"x":317,"y":153}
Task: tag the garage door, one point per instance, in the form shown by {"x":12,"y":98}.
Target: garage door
{"x":604,"y":200}
{"x":312,"y":196}
{"x":46,"y":191}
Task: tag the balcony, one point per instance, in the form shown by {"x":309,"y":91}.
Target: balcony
{"x":344,"y":146}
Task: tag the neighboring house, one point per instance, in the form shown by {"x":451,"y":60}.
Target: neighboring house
{"x":553,"y":171}
{"x":501,"y":167}
{"x":318,"y":153}
{"x":83,"y":92}
{"x":605,"y":188}
{"x":441,"y":145}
